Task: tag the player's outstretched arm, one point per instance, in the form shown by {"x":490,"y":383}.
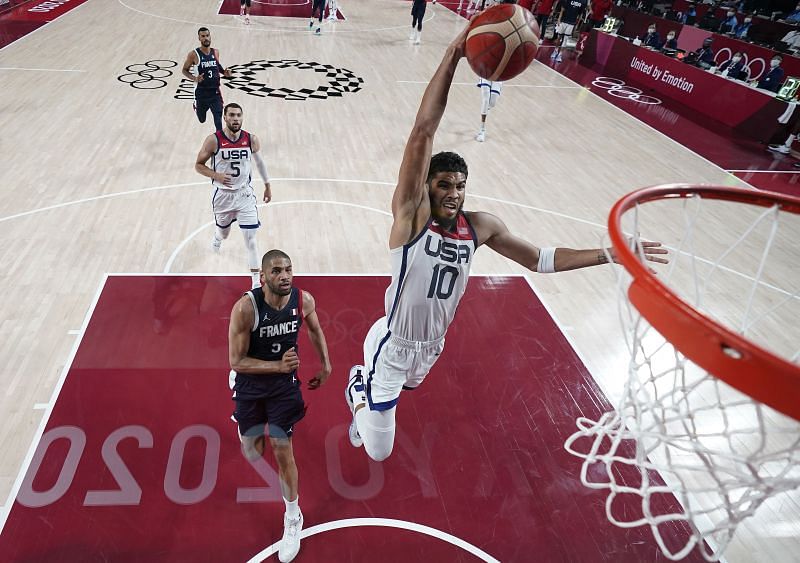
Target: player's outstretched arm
{"x":242,"y":321}
{"x":494,"y":233}
{"x":317,"y":338}
{"x":255,"y":145}
{"x":410,"y":200}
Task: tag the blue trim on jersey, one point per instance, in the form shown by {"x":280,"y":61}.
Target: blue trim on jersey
{"x":419,"y":236}
{"x":400,"y":280}
{"x":387,"y":404}
{"x":401,"y":277}
{"x":472,"y":230}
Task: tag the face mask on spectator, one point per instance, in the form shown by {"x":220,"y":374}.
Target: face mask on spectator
{"x":670,"y":36}
{"x":651,"y":30}
{"x":730,"y":14}
{"x":748,"y":20}
{"x":774,"y":63}
{"x":736,"y":59}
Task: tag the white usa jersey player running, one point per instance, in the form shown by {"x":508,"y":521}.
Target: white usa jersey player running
{"x":432,"y":244}
{"x":232,"y":150}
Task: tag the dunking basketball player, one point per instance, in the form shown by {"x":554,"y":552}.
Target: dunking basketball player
{"x":206,"y":94}
{"x":432,"y":243}
{"x":231,"y":151}
{"x":262,"y":345}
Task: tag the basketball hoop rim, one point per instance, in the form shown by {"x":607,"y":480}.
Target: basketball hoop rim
{"x":718,"y":350}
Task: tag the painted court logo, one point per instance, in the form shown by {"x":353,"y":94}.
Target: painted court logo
{"x":619,"y":89}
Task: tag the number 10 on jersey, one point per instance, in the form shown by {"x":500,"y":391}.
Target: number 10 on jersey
{"x":442,"y":282}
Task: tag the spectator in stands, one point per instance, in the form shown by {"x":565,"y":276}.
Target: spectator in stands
{"x":671,"y":42}
{"x":772,"y":80}
{"x":690,"y":17}
{"x":599,"y":11}
{"x":794,"y":17}
{"x":792,"y":41}
{"x":704,"y":56}
{"x":741,"y":30}
{"x":734,"y":68}
{"x":730,"y":22}
{"x":651,"y":38}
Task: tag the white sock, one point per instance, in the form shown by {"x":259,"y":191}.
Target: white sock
{"x":790,"y":140}
{"x":292,"y":507}
{"x":483,"y":127}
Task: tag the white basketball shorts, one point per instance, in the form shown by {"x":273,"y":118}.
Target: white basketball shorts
{"x":393,"y":364}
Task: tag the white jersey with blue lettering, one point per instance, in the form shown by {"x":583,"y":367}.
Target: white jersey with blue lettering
{"x":233,"y":158}
{"x":429,"y":276}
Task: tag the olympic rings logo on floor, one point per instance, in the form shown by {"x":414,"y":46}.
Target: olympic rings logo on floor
{"x":718,"y":60}
{"x":339,"y":80}
{"x":149,"y":75}
{"x":619,"y":89}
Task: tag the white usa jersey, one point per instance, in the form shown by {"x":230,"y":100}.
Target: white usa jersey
{"x":429,"y":276}
{"x":233,"y":158}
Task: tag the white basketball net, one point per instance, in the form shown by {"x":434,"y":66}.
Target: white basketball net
{"x":719,"y":452}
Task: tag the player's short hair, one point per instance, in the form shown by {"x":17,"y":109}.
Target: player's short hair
{"x":231,"y":105}
{"x":269,"y":256}
{"x":446,"y":162}
{"x":202,"y":29}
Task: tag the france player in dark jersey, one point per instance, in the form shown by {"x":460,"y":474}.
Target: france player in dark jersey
{"x":207,"y":94}
{"x":262,"y":346}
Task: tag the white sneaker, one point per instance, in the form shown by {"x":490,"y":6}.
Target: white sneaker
{"x":290,"y":542}
{"x":416,"y":39}
{"x":216,"y":244}
{"x":354,"y":394}
{"x":310,"y":25}
{"x":783,"y":149}
{"x":481,"y":136}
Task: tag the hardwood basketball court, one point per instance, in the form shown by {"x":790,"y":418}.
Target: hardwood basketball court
{"x":99,"y":145}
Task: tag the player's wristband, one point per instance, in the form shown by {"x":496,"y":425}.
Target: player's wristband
{"x":547,"y":260}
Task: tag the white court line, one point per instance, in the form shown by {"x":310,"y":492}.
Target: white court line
{"x":386,"y":523}
{"x":41,"y":69}
{"x":17,"y":40}
{"x":505,"y":85}
{"x":768,"y":171}
{"x":49,"y":410}
{"x":717,"y":166}
{"x":73,"y":332}
{"x":303,"y":29}
{"x":185,"y":241}
{"x":40,"y":406}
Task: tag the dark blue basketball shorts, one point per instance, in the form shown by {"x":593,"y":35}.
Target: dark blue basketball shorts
{"x":278,"y":407}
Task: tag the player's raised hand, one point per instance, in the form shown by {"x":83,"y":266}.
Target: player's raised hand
{"x":458,"y":45}
{"x":290,"y":361}
{"x":320,"y":379}
{"x":651,"y":251}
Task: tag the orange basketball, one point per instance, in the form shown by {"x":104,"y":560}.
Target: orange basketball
{"x":502,"y":42}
